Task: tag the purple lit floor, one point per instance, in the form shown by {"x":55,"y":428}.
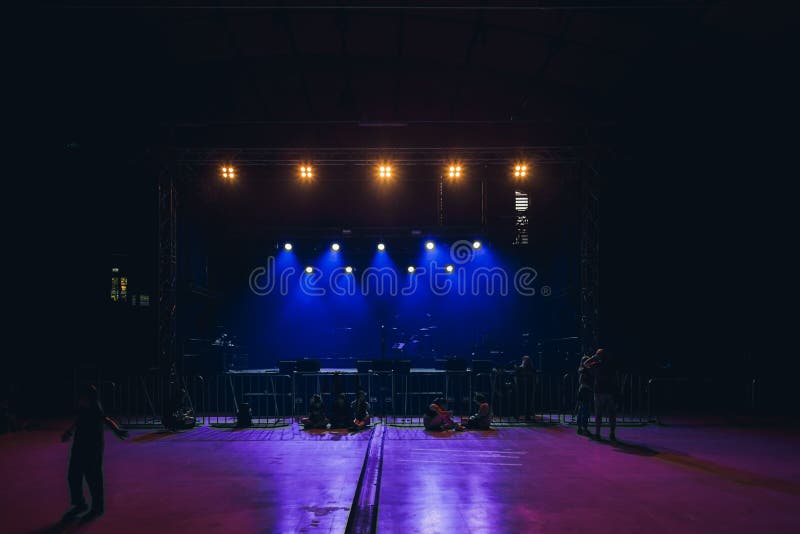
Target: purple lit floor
{"x":667,"y":479}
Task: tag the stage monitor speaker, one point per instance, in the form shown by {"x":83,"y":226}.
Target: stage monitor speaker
{"x":287,"y":367}
{"x":402,"y":366}
{"x":363,"y":366}
{"x":482,"y":366}
{"x":455,"y":364}
{"x":308,"y":366}
{"x":382,"y":366}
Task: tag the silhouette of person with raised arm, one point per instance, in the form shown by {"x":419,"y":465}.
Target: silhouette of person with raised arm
{"x":86,"y":457}
{"x":606,"y":387}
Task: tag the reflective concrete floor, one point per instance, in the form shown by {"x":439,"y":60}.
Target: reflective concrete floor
{"x":550,"y":480}
{"x":676,"y":480}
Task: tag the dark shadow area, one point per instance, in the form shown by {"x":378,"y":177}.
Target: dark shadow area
{"x":150,"y":437}
{"x":441,"y":434}
{"x":739,"y":476}
{"x":63,"y":527}
{"x":632,"y":448}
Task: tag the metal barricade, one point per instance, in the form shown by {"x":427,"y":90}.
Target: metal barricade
{"x":413,"y":393}
{"x":329,"y":384}
{"x":136,"y":401}
{"x":395,"y":398}
{"x":269,"y":397}
{"x":630,"y":400}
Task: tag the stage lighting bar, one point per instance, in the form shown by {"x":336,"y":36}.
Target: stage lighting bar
{"x":306,"y":172}
{"x":335,"y":246}
{"x":454,"y":171}
{"x":384,"y":171}
{"x":520,"y":170}
{"x":228,"y":173}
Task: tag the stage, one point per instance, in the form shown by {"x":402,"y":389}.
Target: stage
{"x":540,"y":479}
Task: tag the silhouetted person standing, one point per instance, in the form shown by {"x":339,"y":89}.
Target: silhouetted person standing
{"x":606,"y":387}
{"x":86,"y":457}
{"x":525,"y":376}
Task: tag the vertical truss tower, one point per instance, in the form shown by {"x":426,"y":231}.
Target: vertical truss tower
{"x":589,"y":268}
{"x":167,"y":275}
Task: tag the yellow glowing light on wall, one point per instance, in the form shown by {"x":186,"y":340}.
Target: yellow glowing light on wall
{"x":228,"y":173}
{"x":306,"y":172}
{"x":454,"y":171}
{"x":385,"y":171}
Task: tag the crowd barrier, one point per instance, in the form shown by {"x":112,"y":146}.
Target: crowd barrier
{"x":395,"y":398}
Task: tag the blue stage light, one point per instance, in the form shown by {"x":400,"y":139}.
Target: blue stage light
{"x":348,"y":269}
{"x":430,"y":245}
{"x":449,"y":268}
{"x":381,"y":247}
{"x":287,"y":246}
{"x":335,"y":247}
{"x":309,"y":269}
{"x":411,"y":269}
{"x":476,"y":245}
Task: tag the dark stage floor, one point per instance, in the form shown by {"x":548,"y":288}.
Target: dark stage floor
{"x":538,"y":479}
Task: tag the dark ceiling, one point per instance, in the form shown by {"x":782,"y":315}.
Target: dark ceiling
{"x":569,"y":73}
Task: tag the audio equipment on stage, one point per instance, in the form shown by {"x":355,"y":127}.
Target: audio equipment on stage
{"x":287,"y":367}
{"x":455,"y":364}
{"x":382,"y":366}
{"x":402,"y":366}
{"x":481,"y":366}
{"x":308,"y":366}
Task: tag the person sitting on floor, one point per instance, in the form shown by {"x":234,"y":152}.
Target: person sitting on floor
{"x":360,"y":410}
{"x":481,"y":419}
{"x":316,"y":414}
{"x":340,"y":413}
{"x":438,"y":418}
